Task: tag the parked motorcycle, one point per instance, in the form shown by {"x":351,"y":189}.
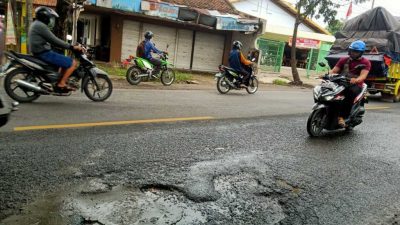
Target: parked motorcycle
{"x":228,"y":79}
{"x":327,"y":97}
{"x":142,"y":68}
{"x":27,"y":78}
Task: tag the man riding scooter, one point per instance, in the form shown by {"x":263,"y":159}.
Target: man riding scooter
{"x":349,"y":66}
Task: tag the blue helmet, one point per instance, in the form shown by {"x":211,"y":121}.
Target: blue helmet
{"x":358,"y":46}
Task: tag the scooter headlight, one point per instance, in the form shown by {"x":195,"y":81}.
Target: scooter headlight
{"x":328,"y":98}
{"x":317,"y":92}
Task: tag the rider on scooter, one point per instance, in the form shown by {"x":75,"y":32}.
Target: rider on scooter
{"x":239,"y":63}
{"x":348,"y":66}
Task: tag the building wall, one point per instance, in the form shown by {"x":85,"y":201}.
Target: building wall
{"x":116,"y":38}
{"x":204,"y":54}
{"x":275,"y":15}
{"x":249,"y":41}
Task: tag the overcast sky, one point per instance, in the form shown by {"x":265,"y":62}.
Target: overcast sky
{"x":393,"y":6}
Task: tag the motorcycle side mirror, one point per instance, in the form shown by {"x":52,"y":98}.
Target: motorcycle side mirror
{"x":322,"y":64}
{"x":69,"y":37}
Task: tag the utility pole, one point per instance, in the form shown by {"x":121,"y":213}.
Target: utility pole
{"x":29,"y":7}
{"x":373,"y":4}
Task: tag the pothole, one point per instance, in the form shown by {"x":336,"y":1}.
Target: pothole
{"x":235,"y":191}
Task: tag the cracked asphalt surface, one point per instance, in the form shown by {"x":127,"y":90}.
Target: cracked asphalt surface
{"x":256,"y":169}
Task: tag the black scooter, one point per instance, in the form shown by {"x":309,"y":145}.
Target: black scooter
{"x":327,"y":96}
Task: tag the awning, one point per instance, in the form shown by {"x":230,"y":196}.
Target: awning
{"x":283,"y":34}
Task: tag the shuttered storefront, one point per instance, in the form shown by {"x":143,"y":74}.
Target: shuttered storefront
{"x":184,"y":50}
{"x":208,"y":51}
{"x":208,"y":47}
{"x":130,"y":38}
{"x":163,"y":36}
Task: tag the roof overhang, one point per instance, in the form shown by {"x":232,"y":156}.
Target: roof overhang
{"x":284,"y":33}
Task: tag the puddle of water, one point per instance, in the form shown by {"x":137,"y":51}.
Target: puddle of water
{"x":118,"y":206}
{"x":131,"y":206}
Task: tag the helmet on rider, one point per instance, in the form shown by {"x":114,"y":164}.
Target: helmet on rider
{"x":148,"y":35}
{"x":237,"y":45}
{"x":357,"y":49}
{"x":46,"y":15}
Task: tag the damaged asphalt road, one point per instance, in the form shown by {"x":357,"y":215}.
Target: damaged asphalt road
{"x":263,"y":170}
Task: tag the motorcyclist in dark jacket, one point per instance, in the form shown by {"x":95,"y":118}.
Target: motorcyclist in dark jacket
{"x":238,"y":62}
{"x":41,"y":40}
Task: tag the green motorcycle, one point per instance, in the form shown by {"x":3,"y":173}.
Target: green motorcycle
{"x":142,"y":68}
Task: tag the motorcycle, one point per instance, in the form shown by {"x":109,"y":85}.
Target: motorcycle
{"x":5,"y":110}
{"x":228,"y":79}
{"x":27,"y":78}
{"x":327,"y":96}
{"x":142,"y":68}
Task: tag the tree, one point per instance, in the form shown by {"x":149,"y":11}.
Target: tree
{"x":67,"y":18}
{"x":335,"y":26}
{"x":29,"y":8}
{"x":64,"y":22}
{"x":325,"y":9}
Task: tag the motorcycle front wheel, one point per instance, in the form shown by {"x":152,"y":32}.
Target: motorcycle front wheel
{"x":98,"y":89}
{"x":253,"y":85}
{"x":315,"y":123}
{"x":167,"y":77}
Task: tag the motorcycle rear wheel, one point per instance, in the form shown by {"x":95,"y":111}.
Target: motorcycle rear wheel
{"x":16,"y":92}
{"x":222,"y":85}
{"x":132,"y":75}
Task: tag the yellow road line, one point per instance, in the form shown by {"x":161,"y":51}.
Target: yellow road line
{"x":110,"y":123}
{"x":377,"y":107}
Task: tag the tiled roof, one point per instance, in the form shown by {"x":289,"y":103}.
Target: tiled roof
{"x":221,"y":5}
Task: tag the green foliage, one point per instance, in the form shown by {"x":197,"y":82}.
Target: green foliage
{"x":280,"y":82}
{"x":335,"y":26}
{"x":182,"y":76}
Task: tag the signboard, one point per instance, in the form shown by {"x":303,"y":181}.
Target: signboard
{"x":45,"y":2}
{"x":160,"y":9}
{"x":104,"y":3}
{"x":306,"y":43}
{"x":228,"y":23}
{"x":126,"y":5}
{"x":10,"y":32}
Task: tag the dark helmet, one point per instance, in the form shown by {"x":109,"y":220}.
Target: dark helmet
{"x":357,"y":47}
{"x":237,"y":45}
{"x":44,"y":14}
{"x":148,"y":35}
